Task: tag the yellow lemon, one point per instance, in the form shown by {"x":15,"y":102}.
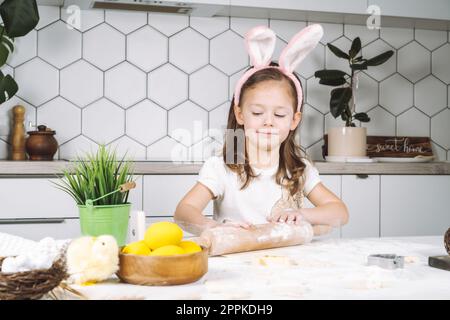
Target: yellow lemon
{"x":190,"y":246}
{"x":162,"y":234}
{"x":138,"y":247}
{"x":168,"y":250}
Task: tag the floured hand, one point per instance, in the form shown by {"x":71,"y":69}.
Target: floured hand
{"x":289,"y":216}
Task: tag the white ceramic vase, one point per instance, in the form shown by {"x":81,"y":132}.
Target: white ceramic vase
{"x":347,"y":142}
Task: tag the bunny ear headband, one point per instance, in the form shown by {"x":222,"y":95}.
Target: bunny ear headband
{"x":260,"y":44}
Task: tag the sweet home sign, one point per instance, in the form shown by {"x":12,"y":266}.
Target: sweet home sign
{"x":401,"y":147}
{"x":393,"y":146}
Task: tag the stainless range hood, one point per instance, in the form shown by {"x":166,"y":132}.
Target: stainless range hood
{"x":348,"y":12}
{"x":197,"y":8}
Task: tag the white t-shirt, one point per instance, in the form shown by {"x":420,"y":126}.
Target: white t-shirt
{"x":254,"y":203}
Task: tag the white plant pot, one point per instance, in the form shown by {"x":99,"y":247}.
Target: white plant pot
{"x":347,"y":141}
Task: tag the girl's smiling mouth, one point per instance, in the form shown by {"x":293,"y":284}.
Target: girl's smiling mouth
{"x":267,"y":131}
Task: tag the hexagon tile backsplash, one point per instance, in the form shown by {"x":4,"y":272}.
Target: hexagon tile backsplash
{"x":138,"y":81}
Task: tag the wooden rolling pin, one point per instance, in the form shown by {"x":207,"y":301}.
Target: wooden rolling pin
{"x":227,"y":239}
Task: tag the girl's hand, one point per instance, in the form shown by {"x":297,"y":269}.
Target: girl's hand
{"x":289,"y":216}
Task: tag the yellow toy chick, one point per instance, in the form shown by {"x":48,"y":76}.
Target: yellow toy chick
{"x":92,"y":259}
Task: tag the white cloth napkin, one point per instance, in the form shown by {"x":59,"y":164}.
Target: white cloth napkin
{"x":25,"y":255}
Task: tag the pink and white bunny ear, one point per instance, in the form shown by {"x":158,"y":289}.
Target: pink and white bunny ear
{"x":260,"y":44}
{"x":299,"y":47}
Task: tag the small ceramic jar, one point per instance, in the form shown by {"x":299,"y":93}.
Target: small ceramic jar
{"x":41,"y":144}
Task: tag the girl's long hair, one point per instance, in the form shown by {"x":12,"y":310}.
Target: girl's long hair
{"x":290,"y":152}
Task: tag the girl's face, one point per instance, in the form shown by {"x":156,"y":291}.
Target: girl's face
{"x":267,"y":114}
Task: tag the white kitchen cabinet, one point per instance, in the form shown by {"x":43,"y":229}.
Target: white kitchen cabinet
{"x":38,"y":229}
{"x":135,"y":195}
{"x":34,"y":198}
{"x":162,"y":193}
{"x":39,"y":198}
{"x":34,"y":208}
{"x":332,"y":182}
{"x":360,"y":193}
{"x":414,"y":205}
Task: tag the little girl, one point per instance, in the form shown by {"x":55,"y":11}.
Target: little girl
{"x":264,"y":179}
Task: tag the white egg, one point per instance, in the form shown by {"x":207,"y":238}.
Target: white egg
{"x":9,"y":265}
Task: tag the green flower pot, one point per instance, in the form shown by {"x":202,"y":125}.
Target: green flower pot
{"x":108,"y":219}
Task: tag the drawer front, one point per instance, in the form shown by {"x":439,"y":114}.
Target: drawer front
{"x":40,"y":198}
{"x":37,"y":229}
{"x":35,"y":198}
{"x":415,"y":205}
{"x":162,"y":193}
{"x":361,"y":195}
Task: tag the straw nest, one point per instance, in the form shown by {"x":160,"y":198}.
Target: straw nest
{"x":32,"y":284}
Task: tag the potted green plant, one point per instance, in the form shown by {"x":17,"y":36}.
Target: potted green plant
{"x":348,"y":141}
{"x":19,"y":18}
{"x":100,"y":184}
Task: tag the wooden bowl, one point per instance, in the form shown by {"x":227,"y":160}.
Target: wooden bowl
{"x":163,"y":270}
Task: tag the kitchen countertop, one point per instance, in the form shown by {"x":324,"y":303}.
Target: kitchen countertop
{"x":323,"y":269}
{"x":50,"y":168}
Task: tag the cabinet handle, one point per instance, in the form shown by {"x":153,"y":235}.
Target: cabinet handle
{"x":362,"y":176}
{"x":30,"y":221}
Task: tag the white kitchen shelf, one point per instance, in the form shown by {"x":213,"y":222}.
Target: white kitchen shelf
{"x":50,"y":168}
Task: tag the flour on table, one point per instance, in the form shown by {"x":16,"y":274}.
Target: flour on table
{"x":275,"y":261}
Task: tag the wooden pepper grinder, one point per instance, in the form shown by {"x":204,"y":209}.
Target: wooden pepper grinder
{"x":18,"y":135}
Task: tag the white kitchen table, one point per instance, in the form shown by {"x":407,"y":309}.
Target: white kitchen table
{"x":323,"y":269}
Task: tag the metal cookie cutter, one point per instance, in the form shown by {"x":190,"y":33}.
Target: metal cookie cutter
{"x":387,"y":261}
